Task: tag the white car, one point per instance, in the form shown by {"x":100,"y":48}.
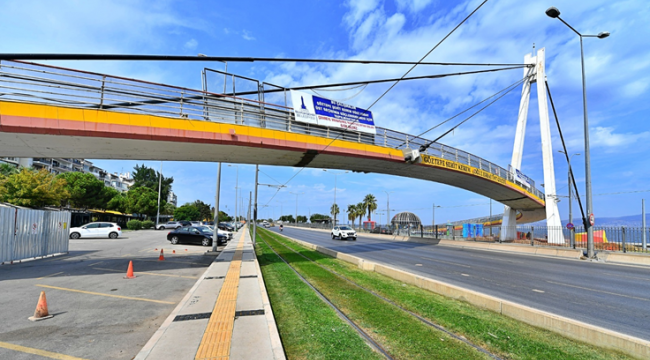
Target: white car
{"x":227,"y":234}
{"x":344,"y":232}
{"x":96,"y":229}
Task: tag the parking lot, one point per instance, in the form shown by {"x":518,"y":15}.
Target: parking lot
{"x":98,"y":314}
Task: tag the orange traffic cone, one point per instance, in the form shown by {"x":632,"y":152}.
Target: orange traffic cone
{"x":173,"y":251}
{"x":129,"y":271}
{"x":161,"y":257}
{"x":41,"y":309}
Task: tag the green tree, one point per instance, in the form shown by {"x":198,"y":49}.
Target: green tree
{"x":142,"y":200}
{"x":7,"y":169}
{"x":288,"y":218}
{"x":187,"y":212}
{"x":352,"y":213}
{"x":167,"y":209}
{"x":302,"y":219}
{"x":361,"y":210}
{"x":85,"y":190}
{"x":204,"y":209}
{"x":334,"y":210}
{"x":119,"y":202}
{"x":147,"y":177}
{"x":370,"y":203}
{"x":32,"y":188}
{"x":316,"y":217}
{"x":223,"y":216}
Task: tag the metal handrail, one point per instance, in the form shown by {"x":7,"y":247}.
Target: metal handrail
{"x":44,"y":84}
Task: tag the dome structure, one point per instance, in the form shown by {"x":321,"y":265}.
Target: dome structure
{"x":404,"y":219}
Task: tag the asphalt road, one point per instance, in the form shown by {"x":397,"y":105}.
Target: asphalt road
{"x":615,"y":297}
{"x":97,"y":313}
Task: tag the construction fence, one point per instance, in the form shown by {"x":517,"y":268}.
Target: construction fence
{"x":29,"y":233}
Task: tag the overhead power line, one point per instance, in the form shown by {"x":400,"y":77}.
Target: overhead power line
{"x":427,"y":54}
{"x":130,"y":57}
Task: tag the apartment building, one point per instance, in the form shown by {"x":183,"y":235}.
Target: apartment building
{"x":120,"y":182}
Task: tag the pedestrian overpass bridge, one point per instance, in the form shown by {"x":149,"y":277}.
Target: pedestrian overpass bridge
{"x":47,"y":111}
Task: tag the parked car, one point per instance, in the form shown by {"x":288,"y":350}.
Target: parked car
{"x":227,"y":234}
{"x":194,"y":235}
{"x":344,"y":232}
{"x":224,"y":226}
{"x":173,"y":225}
{"x":96,"y":229}
{"x":196,"y":223}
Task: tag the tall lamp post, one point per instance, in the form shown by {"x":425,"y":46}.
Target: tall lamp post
{"x":388,"y":207}
{"x":336,"y":173}
{"x":570,"y":183}
{"x":297,"y":193}
{"x":159,"y":189}
{"x":236,"y":188}
{"x":554,"y":13}
{"x":433,"y":219}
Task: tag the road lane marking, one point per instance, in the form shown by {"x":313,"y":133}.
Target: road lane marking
{"x":43,"y":277}
{"x":102,"y":294}
{"x":149,"y":273}
{"x":27,"y":350}
{"x":539,"y":291}
{"x":464,"y":274}
{"x":444,"y":262}
{"x":599,"y":291}
{"x":125,"y":255}
{"x":96,"y":263}
{"x":176,"y":261}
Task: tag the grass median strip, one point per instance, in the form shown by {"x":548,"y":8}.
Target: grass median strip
{"x":309,"y":328}
{"x":403,"y":336}
{"x":499,"y":334}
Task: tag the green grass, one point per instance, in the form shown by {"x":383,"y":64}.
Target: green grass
{"x":506,"y":337}
{"x":309,"y":328}
{"x":400,"y":334}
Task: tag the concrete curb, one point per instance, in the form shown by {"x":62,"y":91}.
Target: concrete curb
{"x":274,"y":334}
{"x":577,"y":330}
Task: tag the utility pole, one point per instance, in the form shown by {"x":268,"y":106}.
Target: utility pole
{"x":335,"y":175}
{"x":215,"y":234}
{"x":159,"y":187}
{"x":490,"y":217}
{"x":257,"y":171}
{"x":388,"y":207}
{"x":236,"y":188}
{"x":297,"y":205}
{"x":645,"y":243}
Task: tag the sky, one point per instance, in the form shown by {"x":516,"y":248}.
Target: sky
{"x":501,"y":31}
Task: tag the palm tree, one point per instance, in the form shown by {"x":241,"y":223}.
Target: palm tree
{"x":334,"y":210}
{"x":361,"y":211}
{"x":352,"y":213}
{"x":370,"y":203}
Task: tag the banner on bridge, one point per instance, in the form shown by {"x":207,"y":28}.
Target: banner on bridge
{"x":325,"y":112}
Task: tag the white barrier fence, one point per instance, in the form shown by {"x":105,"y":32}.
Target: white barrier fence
{"x":28,"y":233}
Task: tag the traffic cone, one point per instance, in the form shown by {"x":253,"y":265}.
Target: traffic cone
{"x":41,"y":309}
{"x":161,"y":257}
{"x":129,"y":271}
{"x":173,"y":251}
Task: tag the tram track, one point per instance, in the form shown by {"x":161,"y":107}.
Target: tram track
{"x":423,"y":320}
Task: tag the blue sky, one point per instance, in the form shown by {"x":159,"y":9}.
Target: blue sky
{"x":501,"y":31}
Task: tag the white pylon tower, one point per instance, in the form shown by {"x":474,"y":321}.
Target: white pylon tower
{"x":535,"y":74}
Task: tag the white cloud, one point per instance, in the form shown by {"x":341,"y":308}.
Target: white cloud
{"x":191,"y":44}
{"x":247,"y":36}
{"x":358,"y":9}
{"x":413,"y":5}
{"x":605,"y":137}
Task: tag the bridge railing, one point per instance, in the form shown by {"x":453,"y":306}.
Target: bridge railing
{"x":45,"y":84}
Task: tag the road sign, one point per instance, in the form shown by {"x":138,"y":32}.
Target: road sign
{"x":592,"y":220}
{"x":570,"y":226}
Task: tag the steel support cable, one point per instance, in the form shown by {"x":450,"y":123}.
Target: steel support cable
{"x":427,"y":54}
{"x":418,"y":317}
{"x":370,"y":341}
{"x":127,"y":57}
{"x":566,"y":153}
{"x":460,"y":113}
{"x":513,"y":86}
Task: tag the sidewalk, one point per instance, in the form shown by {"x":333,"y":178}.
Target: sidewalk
{"x":225,"y":315}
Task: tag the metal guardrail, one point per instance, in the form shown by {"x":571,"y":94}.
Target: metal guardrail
{"x":43,"y":84}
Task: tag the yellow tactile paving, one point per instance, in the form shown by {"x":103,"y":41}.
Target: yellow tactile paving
{"x":218,"y":335}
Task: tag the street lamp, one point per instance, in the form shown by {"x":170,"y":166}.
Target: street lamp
{"x":554,"y":13}
{"x":236,"y":188}
{"x":335,"y":174}
{"x":433,"y":218}
{"x":388,"y":207}
{"x":297,"y":193}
